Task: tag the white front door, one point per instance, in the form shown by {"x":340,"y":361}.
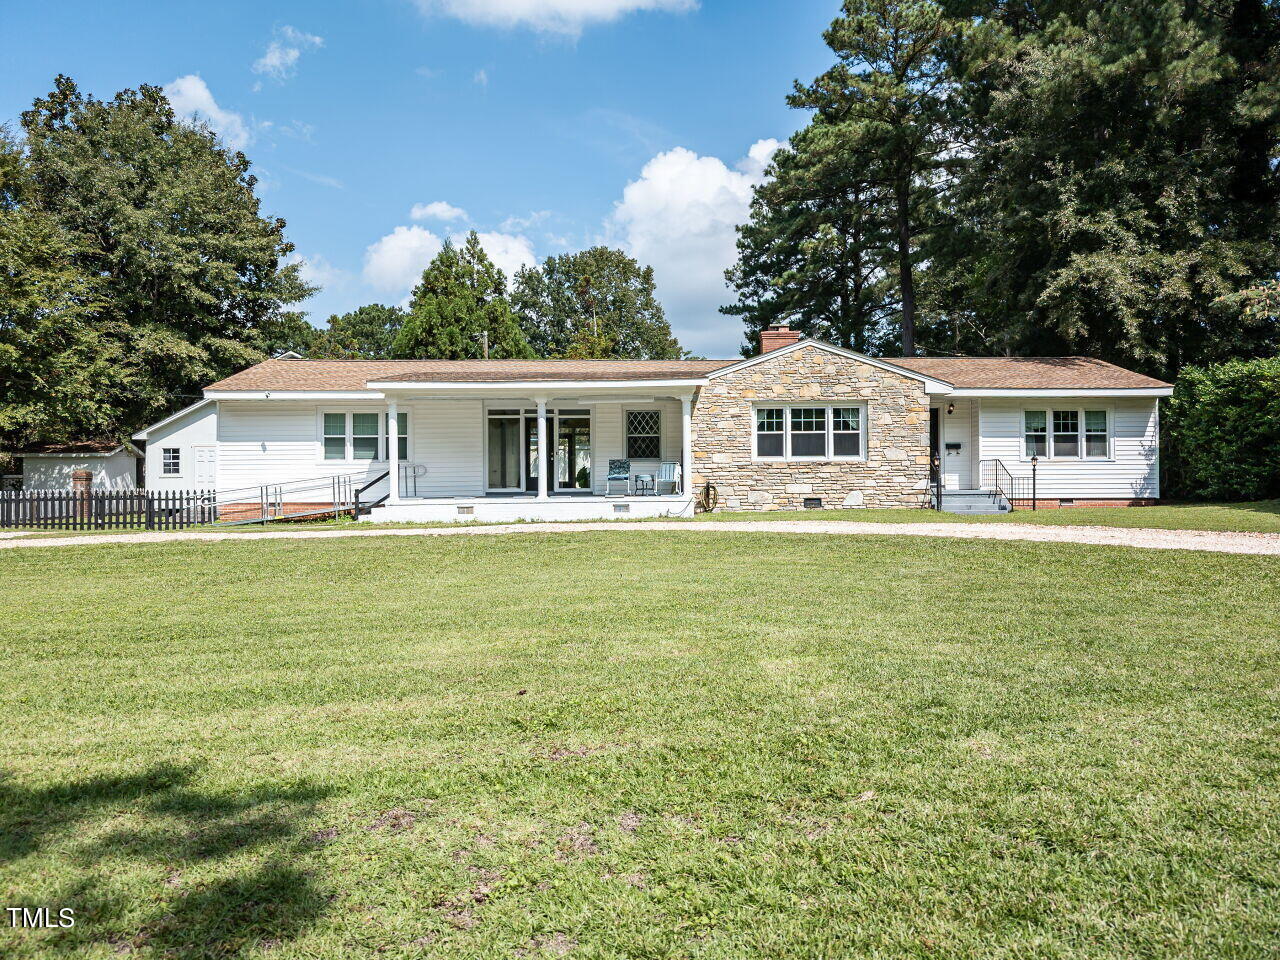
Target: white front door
{"x":205,"y":467}
{"x":957,"y":445}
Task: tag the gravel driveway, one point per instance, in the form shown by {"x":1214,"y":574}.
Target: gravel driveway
{"x":1265,"y":544}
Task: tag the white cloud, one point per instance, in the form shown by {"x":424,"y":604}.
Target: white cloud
{"x":394,"y":263}
{"x":192,"y":101}
{"x":437,"y":210}
{"x":516,"y":224}
{"x":280,"y":61}
{"x":325,"y":181}
{"x":758,"y":158}
{"x":509,"y":252}
{"x":566,"y":17}
{"x":481,"y":78}
{"x":317,"y":270}
{"x":679,"y":217}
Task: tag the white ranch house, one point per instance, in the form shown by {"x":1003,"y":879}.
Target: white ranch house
{"x":804,"y":424}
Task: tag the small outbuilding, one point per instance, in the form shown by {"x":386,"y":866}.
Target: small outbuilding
{"x":114,"y":465}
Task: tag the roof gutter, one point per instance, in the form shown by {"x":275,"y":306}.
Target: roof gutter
{"x":292,"y":395}
{"x":533,"y":385}
{"x":1062,"y":392}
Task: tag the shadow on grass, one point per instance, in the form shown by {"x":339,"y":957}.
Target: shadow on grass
{"x":151,"y":861}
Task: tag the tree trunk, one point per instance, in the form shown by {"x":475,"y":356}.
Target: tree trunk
{"x":905,"y":278}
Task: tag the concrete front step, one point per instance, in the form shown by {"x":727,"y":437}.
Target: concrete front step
{"x":973,"y":502}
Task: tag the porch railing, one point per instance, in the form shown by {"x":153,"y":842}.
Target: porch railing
{"x":993,"y":475}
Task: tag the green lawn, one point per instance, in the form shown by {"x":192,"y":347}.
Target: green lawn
{"x":705,"y":745}
{"x":1262,"y":516}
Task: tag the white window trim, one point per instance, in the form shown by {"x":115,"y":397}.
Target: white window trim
{"x":864,"y":422}
{"x":1082,"y":457}
{"x":164,"y":474}
{"x":626,"y":431}
{"x":348,"y":458}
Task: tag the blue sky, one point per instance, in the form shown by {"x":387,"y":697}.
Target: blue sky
{"x":380,"y":127}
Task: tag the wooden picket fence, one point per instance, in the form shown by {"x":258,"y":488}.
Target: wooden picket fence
{"x":106,"y":509}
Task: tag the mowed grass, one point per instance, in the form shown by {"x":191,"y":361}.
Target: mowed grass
{"x":696,"y":745}
{"x":1260,"y":516}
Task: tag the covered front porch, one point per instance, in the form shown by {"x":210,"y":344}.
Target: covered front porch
{"x":581,"y":452}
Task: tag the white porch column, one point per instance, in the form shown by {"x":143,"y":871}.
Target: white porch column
{"x":393,"y":452}
{"x":542,"y":449}
{"x":686,"y":447}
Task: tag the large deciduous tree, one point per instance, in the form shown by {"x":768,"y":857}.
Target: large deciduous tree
{"x":55,"y":361}
{"x":593,"y":304}
{"x":366,"y":333}
{"x":460,"y":311}
{"x":190,"y":282}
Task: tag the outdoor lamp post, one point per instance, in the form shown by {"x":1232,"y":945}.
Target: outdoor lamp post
{"x":1034,"y":460}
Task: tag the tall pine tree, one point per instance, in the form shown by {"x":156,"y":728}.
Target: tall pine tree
{"x":1121,"y":191}
{"x":460,"y":304}
{"x":817,"y":250}
{"x":886,"y":99}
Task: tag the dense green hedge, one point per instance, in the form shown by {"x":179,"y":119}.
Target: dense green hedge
{"x":1222,"y":432}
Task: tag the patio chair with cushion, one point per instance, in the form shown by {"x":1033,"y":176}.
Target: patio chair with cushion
{"x":668,"y":475}
{"x":619,"y":472}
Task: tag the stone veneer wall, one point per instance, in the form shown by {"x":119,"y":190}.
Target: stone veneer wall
{"x":895,"y":472}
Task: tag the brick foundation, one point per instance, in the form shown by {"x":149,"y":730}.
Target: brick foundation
{"x":1055,"y":504}
{"x":231,"y":512}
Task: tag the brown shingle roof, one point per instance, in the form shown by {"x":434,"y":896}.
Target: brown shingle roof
{"x":1027,"y":373}
{"x":86,"y":447}
{"x":355,"y":374}
{"x":1068,"y":373}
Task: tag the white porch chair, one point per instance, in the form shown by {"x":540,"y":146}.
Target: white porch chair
{"x":668,"y":473}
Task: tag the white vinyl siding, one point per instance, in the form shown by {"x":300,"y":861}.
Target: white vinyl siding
{"x":199,"y":428}
{"x":1131,"y":472}
{"x":116,"y":472}
{"x":610,"y":442}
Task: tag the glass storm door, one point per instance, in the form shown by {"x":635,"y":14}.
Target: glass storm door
{"x":504,"y":453}
{"x":573,"y":453}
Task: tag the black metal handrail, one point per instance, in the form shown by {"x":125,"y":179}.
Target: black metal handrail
{"x":356,"y":507}
{"x":993,"y":475}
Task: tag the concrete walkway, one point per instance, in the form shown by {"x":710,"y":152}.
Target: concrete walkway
{"x":1265,"y":544}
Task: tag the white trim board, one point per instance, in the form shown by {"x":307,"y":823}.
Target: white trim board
{"x":1049,"y":393}
{"x":500,"y":387}
{"x":325,"y":395}
{"x":142,"y":434}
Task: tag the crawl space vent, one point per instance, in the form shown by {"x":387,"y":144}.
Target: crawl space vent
{"x":813,"y":503}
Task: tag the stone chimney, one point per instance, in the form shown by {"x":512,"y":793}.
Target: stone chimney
{"x":777,"y":336}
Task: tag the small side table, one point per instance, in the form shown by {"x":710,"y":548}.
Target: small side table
{"x":644,"y":485}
